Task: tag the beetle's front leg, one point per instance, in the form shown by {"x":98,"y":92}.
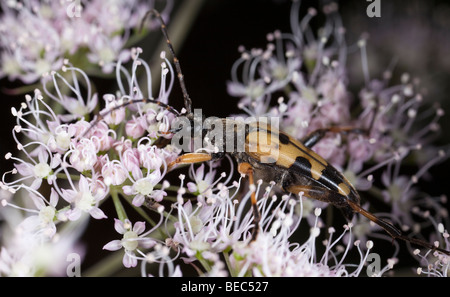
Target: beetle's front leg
{"x":190,"y":158}
{"x":314,"y":137}
{"x":247,"y":169}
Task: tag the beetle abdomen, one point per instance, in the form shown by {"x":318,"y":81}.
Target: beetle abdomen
{"x":302,"y":166}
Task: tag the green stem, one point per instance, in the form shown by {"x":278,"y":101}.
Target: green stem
{"x":107,"y":266}
{"x":71,"y":176}
{"x":140,"y":211}
{"x":202,"y":261}
{"x":21,"y":90}
{"x":118,"y":205}
{"x":226,"y":256}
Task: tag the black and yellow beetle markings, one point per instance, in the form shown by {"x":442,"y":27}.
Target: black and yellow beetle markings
{"x":289,"y":153}
{"x":272,"y":155}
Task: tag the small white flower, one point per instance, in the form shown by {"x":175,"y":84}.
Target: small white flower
{"x":85,"y":199}
{"x":132,"y":239}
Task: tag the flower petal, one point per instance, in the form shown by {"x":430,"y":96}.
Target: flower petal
{"x":55,"y":161}
{"x":24,"y":169}
{"x":54,"y":198}
{"x":199,"y":173}
{"x":139,"y":227}
{"x":97,"y":213}
{"x":158,"y":195}
{"x":83,"y":185}
{"x":113,"y":245}
{"x":73,"y":214}
{"x":128,"y":190}
{"x":119,"y":227}
{"x":129,"y":260}
{"x":36,"y":184}
{"x":147,"y":243}
{"x":38,"y":201}
{"x":177,"y":272}
{"x":138,"y":200}
{"x":68,"y":195}
{"x":192,"y":187}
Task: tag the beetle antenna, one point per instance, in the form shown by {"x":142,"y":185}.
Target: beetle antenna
{"x":100,"y":116}
{"x":187,"y":99}
{"x":374,"y":118}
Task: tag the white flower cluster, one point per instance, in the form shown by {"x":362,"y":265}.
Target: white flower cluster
{"x":36,"y":35}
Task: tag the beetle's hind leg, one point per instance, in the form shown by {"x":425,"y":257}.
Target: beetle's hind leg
{"x":320,"y":193}
{"x":314,"y":137}
{"x":246,"y":169}
{"x":344,"y":203}
{"x":347,"y":205}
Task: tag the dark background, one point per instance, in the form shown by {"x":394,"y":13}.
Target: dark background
{"x":210,"y":48}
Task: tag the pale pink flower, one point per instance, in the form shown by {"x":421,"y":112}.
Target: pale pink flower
{"x":44,"y":221}
{"x":116,"y":116}
{"x":113,"y":172}
{"x":85,"y":199}
{"x":38,"y":35}
{"x":83,"y":155}
{"x":143,"y":187}
{"x":136,"y":127}
{"x":133,"y":238}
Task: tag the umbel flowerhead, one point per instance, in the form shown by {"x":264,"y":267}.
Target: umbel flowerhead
{"x":81,"y":164}
{"x":38,"y":35}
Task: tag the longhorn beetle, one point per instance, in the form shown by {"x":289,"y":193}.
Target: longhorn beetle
{"x":294,"y":166}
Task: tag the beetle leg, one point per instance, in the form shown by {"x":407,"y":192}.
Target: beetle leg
{"x":394,"y":232}
{"x":344,"y":203}
{"x":246,"y":169}
{"x":314,"y":137}
{"x":319,"y":193}
{"x":347,"y":205}
{"x":190,"y":158}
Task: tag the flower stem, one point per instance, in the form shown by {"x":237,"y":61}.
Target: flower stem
{"x":118,"y":205}
{"x":140,"y":211}
{"x":226,"y":256}
{"x":202,"y":261}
